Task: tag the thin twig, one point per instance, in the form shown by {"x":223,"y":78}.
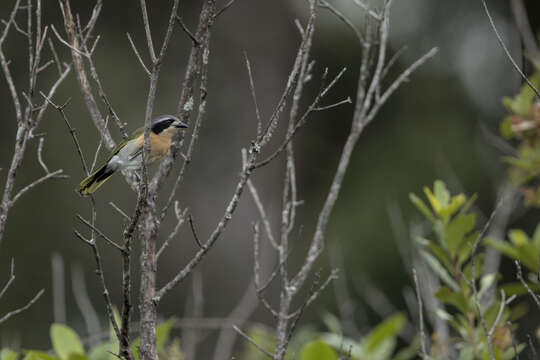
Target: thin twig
{"x":21,"y":309}
{"x":193,"y":231}
{"x":420,"y":315}
{"x":224,"y":8}
{"x":141,"y":61}
{"x":326,"y":5}
{"x":253,"y":95}
{"x":55,"y":174}
{"x":252,"y":342}
{"x":187,"y":31}
{"x":11,"y":278}
{"x":100,"y":233}
{"x":519,"y":276}
{"x":507,"y":52}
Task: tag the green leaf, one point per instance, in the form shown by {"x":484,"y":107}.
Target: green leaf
{"x":317,"y":350}
{"x":389,"y":328}
{"x":517,"y":288}
{"x":485,"y":283}
{"x":432,"y":200}
{"x":526,"y":96}
{"x":163,"y":331}
{"x":339,"y":342}
{"x":466,"y":353}
{"x":440,"y":254}
{"x":7,"y":354}
{"x":443,"y":315}
{"x":332,"y":323}
{"x":518,"y":237}
{"x":135,"y":348}
{"x":455,"y":299}
{"x":65,"y":341}
{"x":456,"y":230}
{"x":440,"y":271}
{"x":503,"y":247}
{"x":410,"y":352}
{"x":261,"y":337}
{"x":38,"y":355}
{"x":505,"y":127}
{"x":384,"y":350}
{"x":422,"y":207}
{"x":510,"y":353}
{"x":77,"y":357}
{"x":104,"y":351}
{"x":466,"y":249}
{"x":441,"y":193}
{"x":508,"y":103}
{"x":454,"y":205}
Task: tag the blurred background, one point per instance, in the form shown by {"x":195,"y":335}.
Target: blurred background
{"x":438,"y":125}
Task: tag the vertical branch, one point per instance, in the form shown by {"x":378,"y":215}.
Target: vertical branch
{"x":198,"y":59}
{"x":289,"y":197}
{"x":147,"y":201}
{"x":84,"y":84}
{"x":365,"y":111}
{"x":27,"y":119}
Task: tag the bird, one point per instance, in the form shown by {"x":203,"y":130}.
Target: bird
{"x":128,"y":154}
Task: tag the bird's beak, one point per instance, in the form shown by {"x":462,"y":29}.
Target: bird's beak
{"x":179,"y":124}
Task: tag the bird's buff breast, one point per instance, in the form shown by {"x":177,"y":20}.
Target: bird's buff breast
{"x":159,"y":145}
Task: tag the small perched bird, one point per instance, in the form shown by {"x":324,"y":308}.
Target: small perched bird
{"x":128,"y":154}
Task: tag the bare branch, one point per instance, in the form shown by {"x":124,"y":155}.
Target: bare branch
{"x":193,"y":231}
{"x":519,"y":276}
{"x":77,"y":55}
{"x":224,"y":8}
{"x":180,"y":221}
{"x":326,"y":5}
{"x":40,"y":158}
{"x":101,"y":234}
{"x":507,"y":52}
{"x":187,"y":31}
{"x":141,"y":61}
{"x":252,"y":342}
{"x":24,"y":308}
{"x":147,"y":31}
{"x":366,"y":8}
{"x":56,"y":174}
{"x":253,"y":95}
{"x":11,"y":278}
{"x":262,"y":214}
{"x":72,"y":131}
{"x":101,"y":276}
{"x":420,"y":315}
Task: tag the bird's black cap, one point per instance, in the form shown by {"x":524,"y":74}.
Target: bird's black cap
{"x":163,"y":122}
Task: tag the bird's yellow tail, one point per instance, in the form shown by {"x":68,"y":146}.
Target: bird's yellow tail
{"x":94,"y":181}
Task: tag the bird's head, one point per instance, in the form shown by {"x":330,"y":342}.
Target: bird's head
{"x":166,"y":122}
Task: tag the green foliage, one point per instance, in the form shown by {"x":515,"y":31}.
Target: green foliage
{"x":523,"y":124}
{"x":65,"y":341}
{"x":379,"y":344}
{"x":162,"y":336}
{"x":317,"y":350}
{"x":262,"y":338}
{"x":524,"y":249}
{"x":7,"y":354}
{"x":68,"y":346}
{"x":520,"y":247}
{"x":450,"y":256}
